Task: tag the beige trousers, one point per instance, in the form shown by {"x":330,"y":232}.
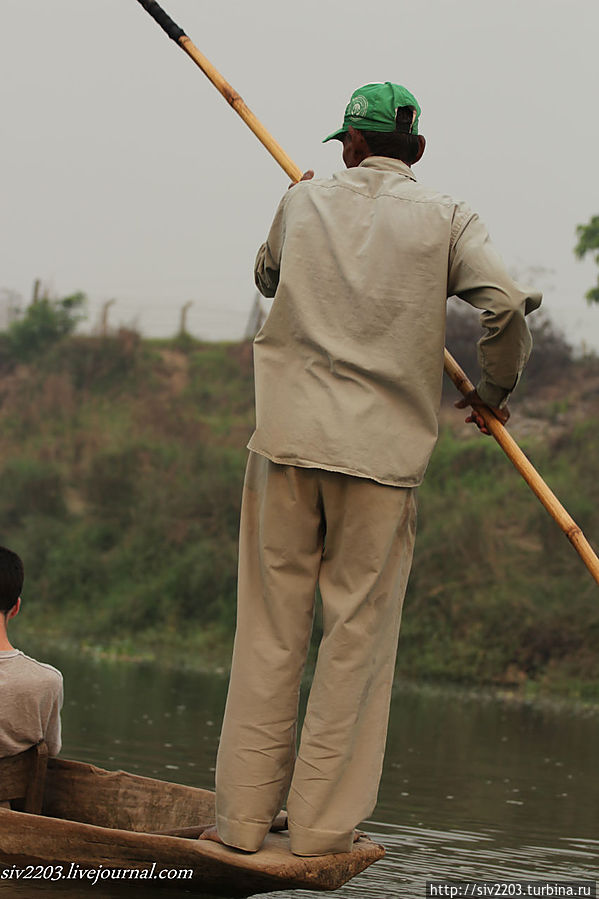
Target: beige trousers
{"x":354,"y":537}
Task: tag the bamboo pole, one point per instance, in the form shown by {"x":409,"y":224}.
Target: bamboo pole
{"x":528,"y":472}
{"x":233,"y":98}
{"x":501,"y":435}
{"x":229,"y":93}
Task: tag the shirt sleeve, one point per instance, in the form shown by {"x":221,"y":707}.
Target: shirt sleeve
{"x":268,"y":260}
{"x":478,"y":275}
{"x":53,"y":736}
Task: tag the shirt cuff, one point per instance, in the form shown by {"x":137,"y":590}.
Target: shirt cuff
{"x":492,"y":395}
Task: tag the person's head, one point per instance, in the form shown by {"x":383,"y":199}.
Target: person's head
{"x":11,"y":582}
{"x":380,"y":120}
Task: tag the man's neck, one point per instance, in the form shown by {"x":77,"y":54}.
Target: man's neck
{"x":5,"y":644}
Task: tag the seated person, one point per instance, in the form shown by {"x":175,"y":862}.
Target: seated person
{"x":31,"y":692}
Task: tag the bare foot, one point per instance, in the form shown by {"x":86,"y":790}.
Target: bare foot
{"x":211,"y":833}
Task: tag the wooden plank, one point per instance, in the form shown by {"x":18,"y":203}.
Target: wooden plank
{"x":23,"y":776}
{"x":14,"y":775}
{"x":29,"y":839}
{"x":34,"y":796}
{"x":117,"y":799}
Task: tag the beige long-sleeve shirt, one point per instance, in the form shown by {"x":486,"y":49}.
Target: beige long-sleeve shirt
{"x":349,"y":362}
{"x":31,"y":696}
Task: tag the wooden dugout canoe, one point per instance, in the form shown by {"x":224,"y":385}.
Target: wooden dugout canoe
{"x":92,"y":818}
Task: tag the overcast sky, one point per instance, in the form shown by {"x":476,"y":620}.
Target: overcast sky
{"x":127,"y":176}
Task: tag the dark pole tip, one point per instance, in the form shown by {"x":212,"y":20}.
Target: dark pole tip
{"x":164,"y":20}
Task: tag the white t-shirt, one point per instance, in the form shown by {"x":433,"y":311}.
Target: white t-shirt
{"x":31,"y":696}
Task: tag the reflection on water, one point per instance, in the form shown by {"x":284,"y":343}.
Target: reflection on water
{"x":415,"y":855}
{"x":473,"y":787}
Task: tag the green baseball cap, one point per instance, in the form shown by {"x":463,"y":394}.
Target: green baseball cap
{"x":374,"y":107}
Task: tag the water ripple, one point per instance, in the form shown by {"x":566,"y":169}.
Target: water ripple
{"x":415,"y":855}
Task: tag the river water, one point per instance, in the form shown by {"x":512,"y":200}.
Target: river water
{"x":474,"y":786}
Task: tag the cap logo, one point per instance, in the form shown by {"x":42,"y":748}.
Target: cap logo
{"x":358,"y":107}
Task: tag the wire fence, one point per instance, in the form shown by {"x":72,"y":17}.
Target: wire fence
{"x":154,"y":317}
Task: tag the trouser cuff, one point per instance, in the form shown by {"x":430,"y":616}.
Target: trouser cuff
{"x":307,"y":841}
{"x":246,"y":835}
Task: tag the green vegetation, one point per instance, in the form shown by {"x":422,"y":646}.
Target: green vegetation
{"x":120,"y":480}
{"x":588,"y":241}
{"x":44,"y":323}
{"x":497,"y":594}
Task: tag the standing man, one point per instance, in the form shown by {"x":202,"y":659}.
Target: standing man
{"x":349,"y":367}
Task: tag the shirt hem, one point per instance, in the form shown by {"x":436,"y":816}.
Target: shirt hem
{"x":306,"y":463}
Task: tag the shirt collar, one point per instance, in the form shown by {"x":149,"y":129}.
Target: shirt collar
{"x":387,"y":164}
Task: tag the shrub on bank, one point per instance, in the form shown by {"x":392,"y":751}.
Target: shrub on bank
{"x":120,"y":484}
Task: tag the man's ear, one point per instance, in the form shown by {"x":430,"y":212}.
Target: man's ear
{"x":421,"y":148}
{"x":355,"y":150}
{"x":359,"y":141}
{"x":15,"y":610}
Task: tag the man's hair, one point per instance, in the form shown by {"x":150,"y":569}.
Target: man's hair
{"x":11,"y":579}
{"x":398,"y":144}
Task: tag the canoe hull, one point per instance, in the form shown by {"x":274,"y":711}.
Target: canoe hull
{"x":98,"y":821}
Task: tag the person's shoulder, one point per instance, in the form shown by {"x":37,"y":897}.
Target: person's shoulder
{"x":459,"y":211}
{"x":393,"y":178}
{"x":42,"y":669}
{"x":429,"y":193}
{"x":386,"y":180}
{"x":314,"y":184}
{"x":300,"y":188}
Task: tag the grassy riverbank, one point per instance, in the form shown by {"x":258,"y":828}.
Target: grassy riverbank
{"x":120,"y":480}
